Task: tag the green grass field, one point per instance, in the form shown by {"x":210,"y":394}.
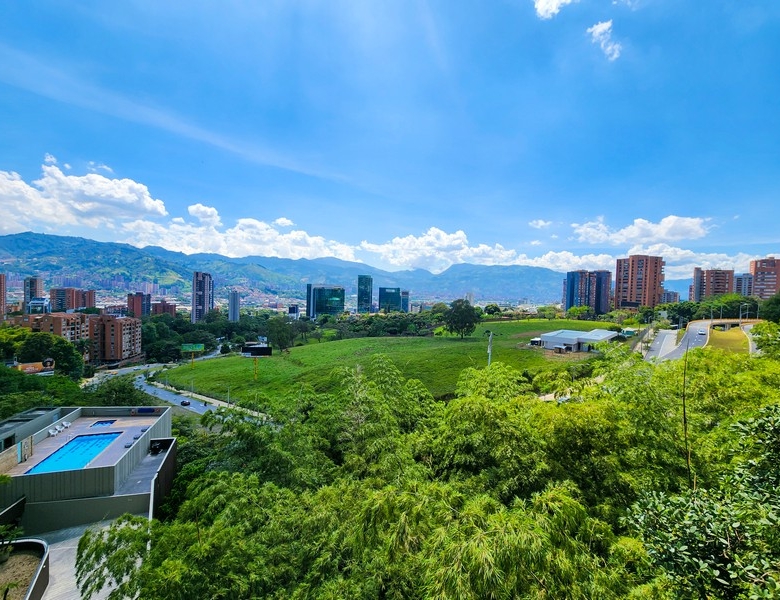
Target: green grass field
{"x":733,"y":340}
{"x":436,"y":361}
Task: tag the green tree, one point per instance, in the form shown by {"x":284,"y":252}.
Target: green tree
{"x":492,"y":309}
{"x":40,"y":345}
{"x":770,"y":309}
{"x":280,"y":332}
{"x":723,"y":542}
{"x":767,"y":338}
{"x":461,"y":318}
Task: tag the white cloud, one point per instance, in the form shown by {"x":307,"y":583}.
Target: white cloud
{"x":249,"y":237}
{"x":601,"y":34}
{"x":436,"y":250}
{"x":93,"y":204}
{"x":668,"y":229}
{"x":568,"y":261}
{"x":207,"y":215}
{"x":95,"y":167}
{"x":681,"y":261}
{"x":547,"y":9}
{"x":56,"y":200}
{"x":49,"y":159}
{"x":539,"y":224}
{"x":283,"y":222}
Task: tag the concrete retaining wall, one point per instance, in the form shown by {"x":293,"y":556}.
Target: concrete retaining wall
{"x":51,"y":516}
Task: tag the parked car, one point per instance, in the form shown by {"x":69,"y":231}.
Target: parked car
{"x":185,"y":402}
{"x":702,"y":332}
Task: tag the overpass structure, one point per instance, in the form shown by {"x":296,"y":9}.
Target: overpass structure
{"x":697,"y":335}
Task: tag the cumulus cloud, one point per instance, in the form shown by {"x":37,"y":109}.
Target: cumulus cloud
{"x":601,"y":34}
{"x":680,"y":262}
{"x":249,"y":237}
{"x":56,"y":200}
{"x":283,"y":222}
{"x":641,"y":231}
{"x":436,"y":250}
{"x":539,"y":224}
{"x":207,"y":215}
{"x":547,"y":9}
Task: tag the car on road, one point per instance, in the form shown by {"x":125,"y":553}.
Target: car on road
{"x":702,"y":332}
{"x":185,"y":402}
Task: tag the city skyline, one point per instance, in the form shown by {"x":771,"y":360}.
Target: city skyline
{"x":402,"y":135}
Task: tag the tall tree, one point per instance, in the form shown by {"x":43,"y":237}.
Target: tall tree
{"x":461,"y":318}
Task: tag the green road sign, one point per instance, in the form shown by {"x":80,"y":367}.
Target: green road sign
{"x":192,"y":347}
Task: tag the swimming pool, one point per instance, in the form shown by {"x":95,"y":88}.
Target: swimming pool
{"x":103,"y":423}
{"x":76,"y":454}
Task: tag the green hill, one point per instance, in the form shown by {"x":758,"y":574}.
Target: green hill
{"x":436,"y":361}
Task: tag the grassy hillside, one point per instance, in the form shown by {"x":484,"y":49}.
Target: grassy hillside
{"x":436,"y":361}
{"x":733,"y":340}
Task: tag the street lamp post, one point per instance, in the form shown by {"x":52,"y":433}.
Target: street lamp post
{"x":747,"y":313}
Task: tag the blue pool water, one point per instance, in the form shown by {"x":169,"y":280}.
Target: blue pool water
{"x":103,"y":423}
{"x":76,"y":454}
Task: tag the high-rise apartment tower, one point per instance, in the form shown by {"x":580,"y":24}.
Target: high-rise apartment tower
{"x":710,"y":282}
{"x":639,"y":281}
{"x":202,"y":295}
{"x":587,"y":288}
{"x":766,"y":277}
{"x":234,"y":303}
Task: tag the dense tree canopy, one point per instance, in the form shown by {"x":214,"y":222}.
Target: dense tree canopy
{"x":461,"y":318}
{"x":379,"y":491}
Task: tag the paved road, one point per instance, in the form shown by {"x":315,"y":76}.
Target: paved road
{"x":664,"y":342}
{"x":197,"y":402}
{"x":697,"y":334}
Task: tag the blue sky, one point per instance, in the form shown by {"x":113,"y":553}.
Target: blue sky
{"x":404,"y":134}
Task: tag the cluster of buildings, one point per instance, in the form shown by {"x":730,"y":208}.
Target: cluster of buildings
{"x":639,"y":281}
{"x":329,"y":299}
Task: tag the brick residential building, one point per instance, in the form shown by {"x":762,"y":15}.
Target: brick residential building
{"x":164,"y":308}
{"x":66,"y":298}
{"x":710,"y":282}
{"x":115,"y":339}
{"x":639,"y":281}
{"x":766,"y":277}
{"x":139,"y":304}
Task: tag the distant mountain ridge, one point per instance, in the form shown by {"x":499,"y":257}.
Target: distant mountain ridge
{"x":28,"y":254}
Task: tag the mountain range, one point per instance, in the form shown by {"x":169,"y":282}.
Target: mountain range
{"x":96,"y":263}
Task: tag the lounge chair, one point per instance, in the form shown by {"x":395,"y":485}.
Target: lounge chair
{"x":66,"y":424}
{"x":59,"y":428}
{"x":53,"y":432}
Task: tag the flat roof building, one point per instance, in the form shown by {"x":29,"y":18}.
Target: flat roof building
{"x":324,"y":300}
{"x":365,"y":293}
{"x":588,"y":288}
{"x":132,"y":472}
{"x":766,"y":277}
{"x":710,"y":282}
{"x":202,"y":295}
{"x":234,"y":305}
{"x":639,"y":281}
{"x":2,"y":296}
{"x":389,"y":299}
{"x":139,"y":305}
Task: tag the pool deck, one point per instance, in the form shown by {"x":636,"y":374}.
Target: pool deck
{"x":128,"y":426}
